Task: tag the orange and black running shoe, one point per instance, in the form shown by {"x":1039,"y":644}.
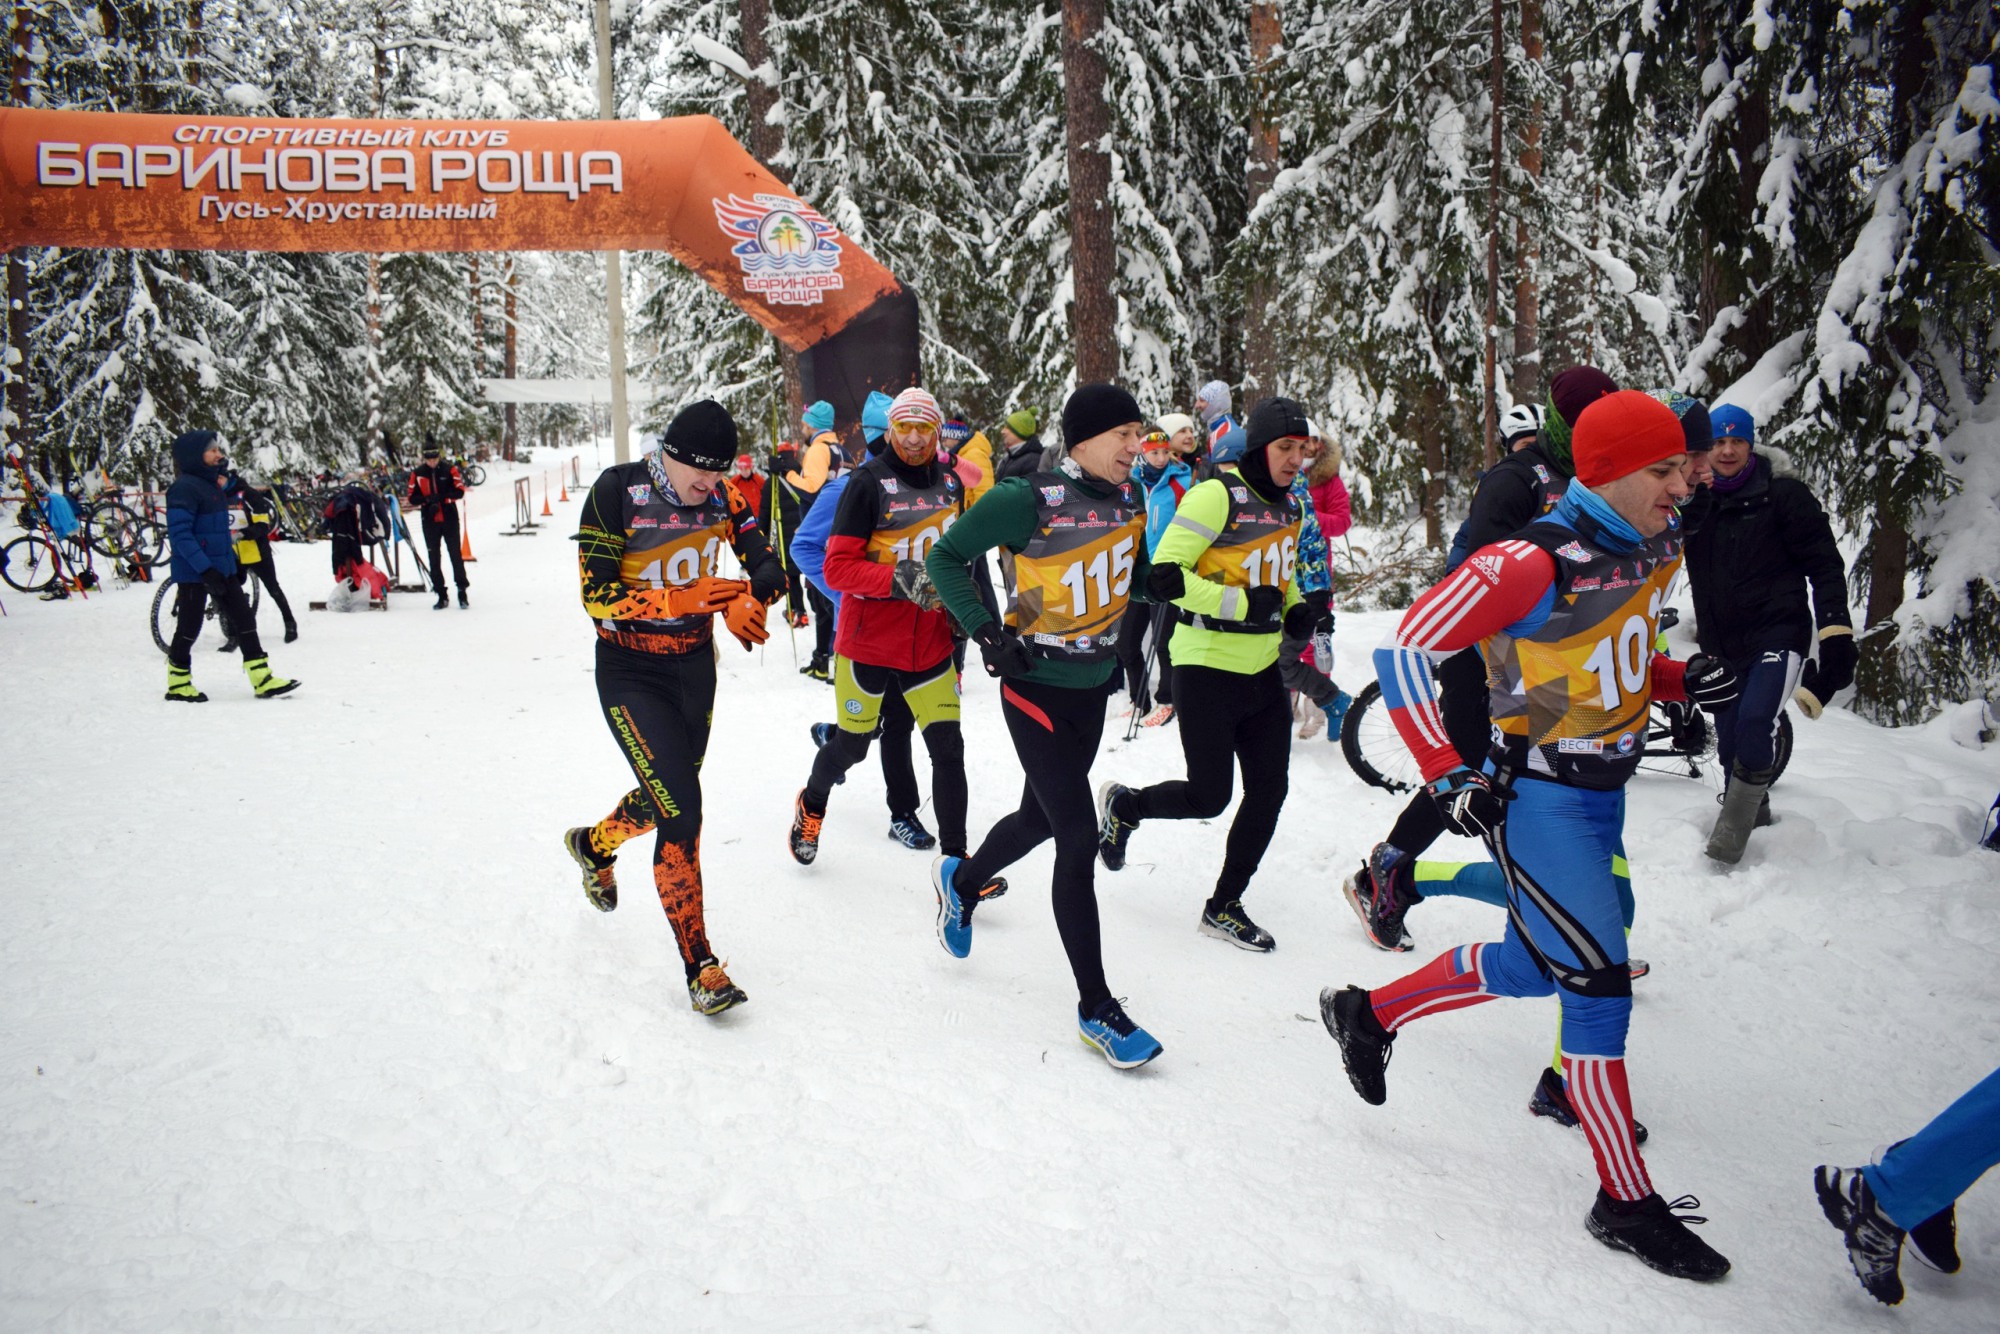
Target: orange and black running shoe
{"x":805,"y":831}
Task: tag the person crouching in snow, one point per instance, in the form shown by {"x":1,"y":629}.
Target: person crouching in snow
{"x":204,"y":567}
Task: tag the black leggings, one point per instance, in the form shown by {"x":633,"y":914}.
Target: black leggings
{"x":443,"y":530}
{"x":899,"y":768}
{"x":1225,"y":716}
{"x":822,"y":619}
{"x":1139,"y":618}
{"x":266,"y":571}
{"x":191,"y":603}
{"x":658,"y":707}
{"x":1462,"y":702}
{"x":1055,"y":731}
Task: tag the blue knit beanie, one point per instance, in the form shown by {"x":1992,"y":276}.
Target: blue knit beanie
{"x":818,"y":417}
{"x":1733,"y":422}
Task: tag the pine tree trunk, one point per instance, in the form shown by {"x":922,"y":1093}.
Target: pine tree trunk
{"x":1490,"y":451}
{"x":509,"y":431}
{"x":1260,"y":357}
{"x":17,"y":436}
{"x":767,"y":142}
{"x":372,"y":391}
{"x":1430,"y":438}
{"x":1093,"y":316}
{"x":1527,"y":367}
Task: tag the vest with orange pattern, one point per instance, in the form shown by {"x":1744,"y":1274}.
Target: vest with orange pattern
{"x":910,"y":519}
{"x":1074,"y":577}
{"x":669,"y":545}
{"x":1570,"y":699}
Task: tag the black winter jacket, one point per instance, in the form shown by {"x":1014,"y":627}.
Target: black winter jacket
{"x":1023,"y":460}
{"x":1514,"y":493}
{"x":1751,"y":559}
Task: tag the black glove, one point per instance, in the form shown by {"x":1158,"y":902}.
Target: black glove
{"x":1711,"y":682}
{"x":1004,"y":654}
{"x":913,"y":584}
{"x":1470,"y":803}
{"x":1267,"y":603}
{"x":1834,"y":672}
{"x":215,"y":581}
{"x":1321,"y":602}
{"x":1299,"y":622}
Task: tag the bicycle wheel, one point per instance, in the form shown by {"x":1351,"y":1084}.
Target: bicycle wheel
{"x":152,"y":539}
{"x":164,"y":612}
{"x":474,"y":475}
{"x":1373,"y":747}
{"x":28,"y":563}
{"x":114,"y":531}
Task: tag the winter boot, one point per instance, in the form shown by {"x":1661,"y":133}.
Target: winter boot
{"x":954,"y":914}
{"x":1874,"y":1244}
{"x":600,"y":880}
{"x":910,"y":832}
{"x":266,"y":683}
{"x":710,"y":991}
{"x":291,"y":631}
{"x":1739,"y":815}
{"x":1113,"y":829}
{"x":228,"y":644}
{"x":442,"y":602}
{"x":1112,"y":1032}
{"x":1551,"y":1099}
{"x":819,"y":669}
{"x":1229,"y":922}
{"x":1381,"y":892}
{"x":805,"y":831}
{"x":180,"y":686}
{"x":1651,"y":1230}
{"x":1364,"y":1044}
{"x":463,"y":605}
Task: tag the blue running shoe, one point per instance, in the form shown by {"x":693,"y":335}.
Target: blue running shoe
{"x":1123,"y":1043}
{"x":822,"y":735}
{"x":1336,"y":713}
{"x":954,"y":918}
{"x":910,"y":832}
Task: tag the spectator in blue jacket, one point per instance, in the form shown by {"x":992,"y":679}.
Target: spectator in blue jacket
{"x":1161,"y":476}
{"x":204,"y":567}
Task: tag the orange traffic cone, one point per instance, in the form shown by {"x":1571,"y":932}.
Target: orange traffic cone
{"x":564,"y":497}
{"x":464,"y":536}
{"x":547,"y":513}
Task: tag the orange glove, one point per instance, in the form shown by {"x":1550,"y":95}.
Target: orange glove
{"x":745,"y":618}
{"x":703,"y":597}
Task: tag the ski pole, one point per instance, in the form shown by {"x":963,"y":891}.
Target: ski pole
{"x":1146,"y":672}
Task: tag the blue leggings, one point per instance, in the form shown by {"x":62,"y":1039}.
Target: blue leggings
{"x":1484,"y":882}
{"x":1926,"y":1172}
{"x":1565,"y":915}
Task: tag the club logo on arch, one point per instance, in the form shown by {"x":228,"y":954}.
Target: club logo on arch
{"x":789,"y":253}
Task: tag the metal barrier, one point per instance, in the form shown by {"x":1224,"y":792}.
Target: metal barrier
{"x":524,"y":509}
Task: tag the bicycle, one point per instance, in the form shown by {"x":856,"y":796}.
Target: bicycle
{"x":1679,"y":740}
{"x":43,"y":560}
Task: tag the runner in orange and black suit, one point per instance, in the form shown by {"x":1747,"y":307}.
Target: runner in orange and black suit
{"x":650,"y":535}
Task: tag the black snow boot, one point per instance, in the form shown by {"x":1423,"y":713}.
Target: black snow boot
{"x":1364,"y":1044}
{"x":442,"y":601}
{"x":1651,"y":1230}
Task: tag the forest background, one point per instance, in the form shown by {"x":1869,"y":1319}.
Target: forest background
{"x":1406,"y":216}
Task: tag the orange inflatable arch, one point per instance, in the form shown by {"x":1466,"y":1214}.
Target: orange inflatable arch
{"x":685,"y":186}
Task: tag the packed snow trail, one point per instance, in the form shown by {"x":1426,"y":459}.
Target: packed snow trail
{"x":309,"y":1027}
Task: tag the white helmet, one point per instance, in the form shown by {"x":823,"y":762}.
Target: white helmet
{"x":1521,"y":419}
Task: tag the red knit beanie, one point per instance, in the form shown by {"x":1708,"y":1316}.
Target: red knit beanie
{"x":1621,"y":433}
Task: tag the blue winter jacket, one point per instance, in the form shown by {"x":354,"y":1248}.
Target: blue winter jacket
{"x":198,"y":513}
{"x":1157,"y":485}
{"x":809,"y":539}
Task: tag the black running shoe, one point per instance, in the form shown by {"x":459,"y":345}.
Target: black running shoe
{"x":1381,"y":892}
{"x":1551,"y":1099}
{"x":910,"y":832}
{"x":711,"y":992}
{"x":1231,"y":923}
{"x":600,"y":883}
{"x":1651,"y":1230}
{"x":1936,"y":1240}
{"x":1874,"y":1244}
{"x":1113,"y":830}
{"x":1364,"y":1044}
{"x":805,"y":831}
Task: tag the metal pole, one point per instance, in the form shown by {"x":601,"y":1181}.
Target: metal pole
{"x":613,"y":271}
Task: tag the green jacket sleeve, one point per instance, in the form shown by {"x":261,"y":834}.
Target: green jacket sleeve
{"x":1203,"y":513}
{"x":1003,"y":517}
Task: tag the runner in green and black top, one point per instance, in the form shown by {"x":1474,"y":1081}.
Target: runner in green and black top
{"x":1226,"y":562}
{"x":1077,"y":536}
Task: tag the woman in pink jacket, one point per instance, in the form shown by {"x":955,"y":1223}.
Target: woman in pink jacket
{"x":1329,"y":493}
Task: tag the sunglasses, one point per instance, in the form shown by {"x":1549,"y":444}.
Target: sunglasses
{"x":916,"y":428}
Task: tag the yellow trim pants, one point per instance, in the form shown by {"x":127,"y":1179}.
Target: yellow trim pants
{"x":931,"y":694}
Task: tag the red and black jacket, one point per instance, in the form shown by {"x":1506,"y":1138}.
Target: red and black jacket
{"x":433,"y":487}
{"x":889,"y":511}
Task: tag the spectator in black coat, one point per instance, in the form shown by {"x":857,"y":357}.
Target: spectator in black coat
{"x":1763,"y":544}
{"x":435,"y":490}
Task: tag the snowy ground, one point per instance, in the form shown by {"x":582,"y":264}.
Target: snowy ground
{"x":308,"y":1026}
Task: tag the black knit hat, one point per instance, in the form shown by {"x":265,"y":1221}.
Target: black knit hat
{"x":701,"y":435}
{"x":1094,"y":409}
{"x":1274,"y":419}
